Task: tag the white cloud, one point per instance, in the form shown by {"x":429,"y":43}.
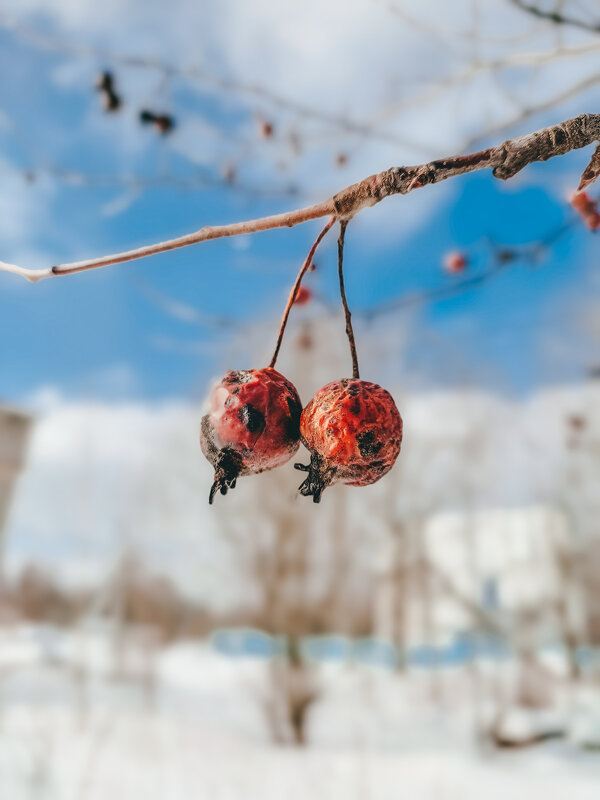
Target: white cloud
{"x":349,"y":58}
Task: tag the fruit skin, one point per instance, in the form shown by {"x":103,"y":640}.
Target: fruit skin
{"x":252,"y":425}
{"x":353,"y":431}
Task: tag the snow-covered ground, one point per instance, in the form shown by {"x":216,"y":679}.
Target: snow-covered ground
{"x":191,"y":726}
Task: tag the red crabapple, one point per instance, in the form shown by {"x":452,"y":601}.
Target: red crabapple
{"x":353,"y":431}
{"x":252,"y":425}
{"x":303,"y":296}
{"x":455,"y":261}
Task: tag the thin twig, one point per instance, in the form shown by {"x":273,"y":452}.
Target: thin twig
{"x":505,"y":258}
{"x":292,"y":298}
{"x":505,"y":160}
{"x":556,"y":17}
{"x":534,"y":109}
{"x":347,"y":313}
{"x":429,"y":93}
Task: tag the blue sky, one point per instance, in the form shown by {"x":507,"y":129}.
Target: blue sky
{"x":102,"y":335}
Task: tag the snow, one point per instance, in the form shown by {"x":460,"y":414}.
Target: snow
{"x":199,"y":732}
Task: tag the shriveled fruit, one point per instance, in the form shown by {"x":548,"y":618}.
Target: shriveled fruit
{"x":353,"y":431}
{"x":252,"y":425}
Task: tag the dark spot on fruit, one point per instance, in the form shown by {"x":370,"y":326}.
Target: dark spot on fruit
{"x":353,"y":390}
{"x":294,"y":407}
{"x":252,"y":418}
{"x":354,"y":406}
{"x":292,"y":424}
{"x":367,"y":444}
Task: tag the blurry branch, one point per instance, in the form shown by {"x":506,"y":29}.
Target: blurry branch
{"x":197,"y":73}
{"x":437,"y":32}
{"x":185,"y":312}
{"x":537,"y":108}
{"x":505,"y":160}
{"x":481,"y":67}
{"x":556,"y":17}
{"x":72,"y":177}
{"x":441,"y":32}
{"x":504,"y":258}
{"x":420,"y":298}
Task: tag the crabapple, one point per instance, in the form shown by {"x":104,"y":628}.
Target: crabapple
{"x":353,"y":431}
{"x":252,"y":425}
{"x":455,"y":261}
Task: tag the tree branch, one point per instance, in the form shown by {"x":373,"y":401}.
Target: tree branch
{"x":556,"y":17}
{"x":505,"y":160}
{"x":213,"y":80}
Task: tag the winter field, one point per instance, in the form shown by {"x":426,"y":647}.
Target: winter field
{"x":188,"y":722}
{"x":119,"y":701}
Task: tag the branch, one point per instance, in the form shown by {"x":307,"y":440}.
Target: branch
{"x":504,"y":258}
{"x":198,"y":73}
{"x":555,"y":17}
{"x":505,"y":160}
{"x":536,"y":108}
{"x":480,"y":67}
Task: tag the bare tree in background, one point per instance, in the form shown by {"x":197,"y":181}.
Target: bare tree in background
{"x":14,"y":431}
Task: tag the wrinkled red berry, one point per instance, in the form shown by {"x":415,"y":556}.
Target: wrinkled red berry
{"x":455,"y":262}
{"x":353,"y":431}
{"x":252,"y":425}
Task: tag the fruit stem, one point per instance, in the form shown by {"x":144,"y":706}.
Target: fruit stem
{"x":348,"y":315}
{"x":296,"y":287}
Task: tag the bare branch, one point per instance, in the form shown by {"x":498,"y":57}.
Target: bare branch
{"x":505,"y":161}
{"x":503,"y":259}
{"x":536,"y":108}
{"x":556,"y":17}
{"x":207,"y":78}
{"x":432,"y":92}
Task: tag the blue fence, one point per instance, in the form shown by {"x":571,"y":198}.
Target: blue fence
{"x":461,"y":649}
